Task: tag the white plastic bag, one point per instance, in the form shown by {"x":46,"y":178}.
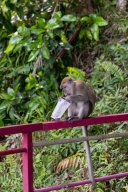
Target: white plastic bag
{"x":60,"y":108}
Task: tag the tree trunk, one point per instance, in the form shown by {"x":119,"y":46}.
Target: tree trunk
{"x":121,"y":5}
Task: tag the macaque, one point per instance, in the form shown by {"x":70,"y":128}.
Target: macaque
{"x":81,"y":96}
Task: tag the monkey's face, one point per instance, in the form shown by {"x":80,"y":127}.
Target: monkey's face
{"x":67,"y":86}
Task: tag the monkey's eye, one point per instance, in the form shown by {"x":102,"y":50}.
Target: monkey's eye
{"x":64,"y":87}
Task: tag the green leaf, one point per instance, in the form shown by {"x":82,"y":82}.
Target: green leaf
{"x":17,"y":48}
{"x":57,"y":16}
{"x":45,"y":52}
{"x":11,"y":114}
{"x":37,"y":31}
{"x":23,"y":69}
{"x":88,"y":34}
{"x":76,"y":73}
{"x":52,"y":24}
{"x":5,"y":96}
{"x":31,"y":82}
{"x":23,"y":30}
{"x":100,"y":21}
{"x":29,"y":86}
{"x":15,"y":39}
{"x":69,"y":18}
{"x":9,"y":48}
{"x":16,"y":89}
{"x":33,"y":55}
{"x":10,"y":91}
{"x":4,"y":105}
{"x":86,"y":19}
{"x":50,"y":34}
{"x":33,"y":106}
{"x":63,"y":37}
{"x":92,"y":16}
{"x":41,"y":23}
{"x":95,"y":31}
{"x":82,"y":34}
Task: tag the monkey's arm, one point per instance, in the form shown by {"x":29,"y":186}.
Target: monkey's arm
{"x":77,"y":98}
{"x":78,"y":111}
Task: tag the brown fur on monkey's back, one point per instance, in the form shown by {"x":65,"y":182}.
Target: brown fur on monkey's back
{"x":81,"y":86}
{"x":90,"y":93}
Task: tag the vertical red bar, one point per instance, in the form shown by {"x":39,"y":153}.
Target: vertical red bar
{"x":27,"y":163}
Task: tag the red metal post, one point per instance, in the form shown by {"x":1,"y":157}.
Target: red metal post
{"x":27,"y":163}
{"x":12,"y":151}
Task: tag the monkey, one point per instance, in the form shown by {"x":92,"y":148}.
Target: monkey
{"x":81,"y":96}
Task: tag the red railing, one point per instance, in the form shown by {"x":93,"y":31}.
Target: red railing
{"x":27,"y":147}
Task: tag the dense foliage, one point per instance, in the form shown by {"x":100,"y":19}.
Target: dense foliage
{"x":31,"y":36}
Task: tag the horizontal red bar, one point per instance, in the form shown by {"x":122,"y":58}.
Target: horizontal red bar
{"x":47,"y":126}
{"x":21,"y":128}
{"x":89,"y":121}
{"x":13,"y":151}
{"x":73,"y":184}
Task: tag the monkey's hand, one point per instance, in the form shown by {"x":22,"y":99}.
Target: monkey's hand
{"x":68,"y":98}
{"x":72,"y":119}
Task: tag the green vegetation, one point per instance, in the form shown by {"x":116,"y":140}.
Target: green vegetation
{"x":31,"y":36}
